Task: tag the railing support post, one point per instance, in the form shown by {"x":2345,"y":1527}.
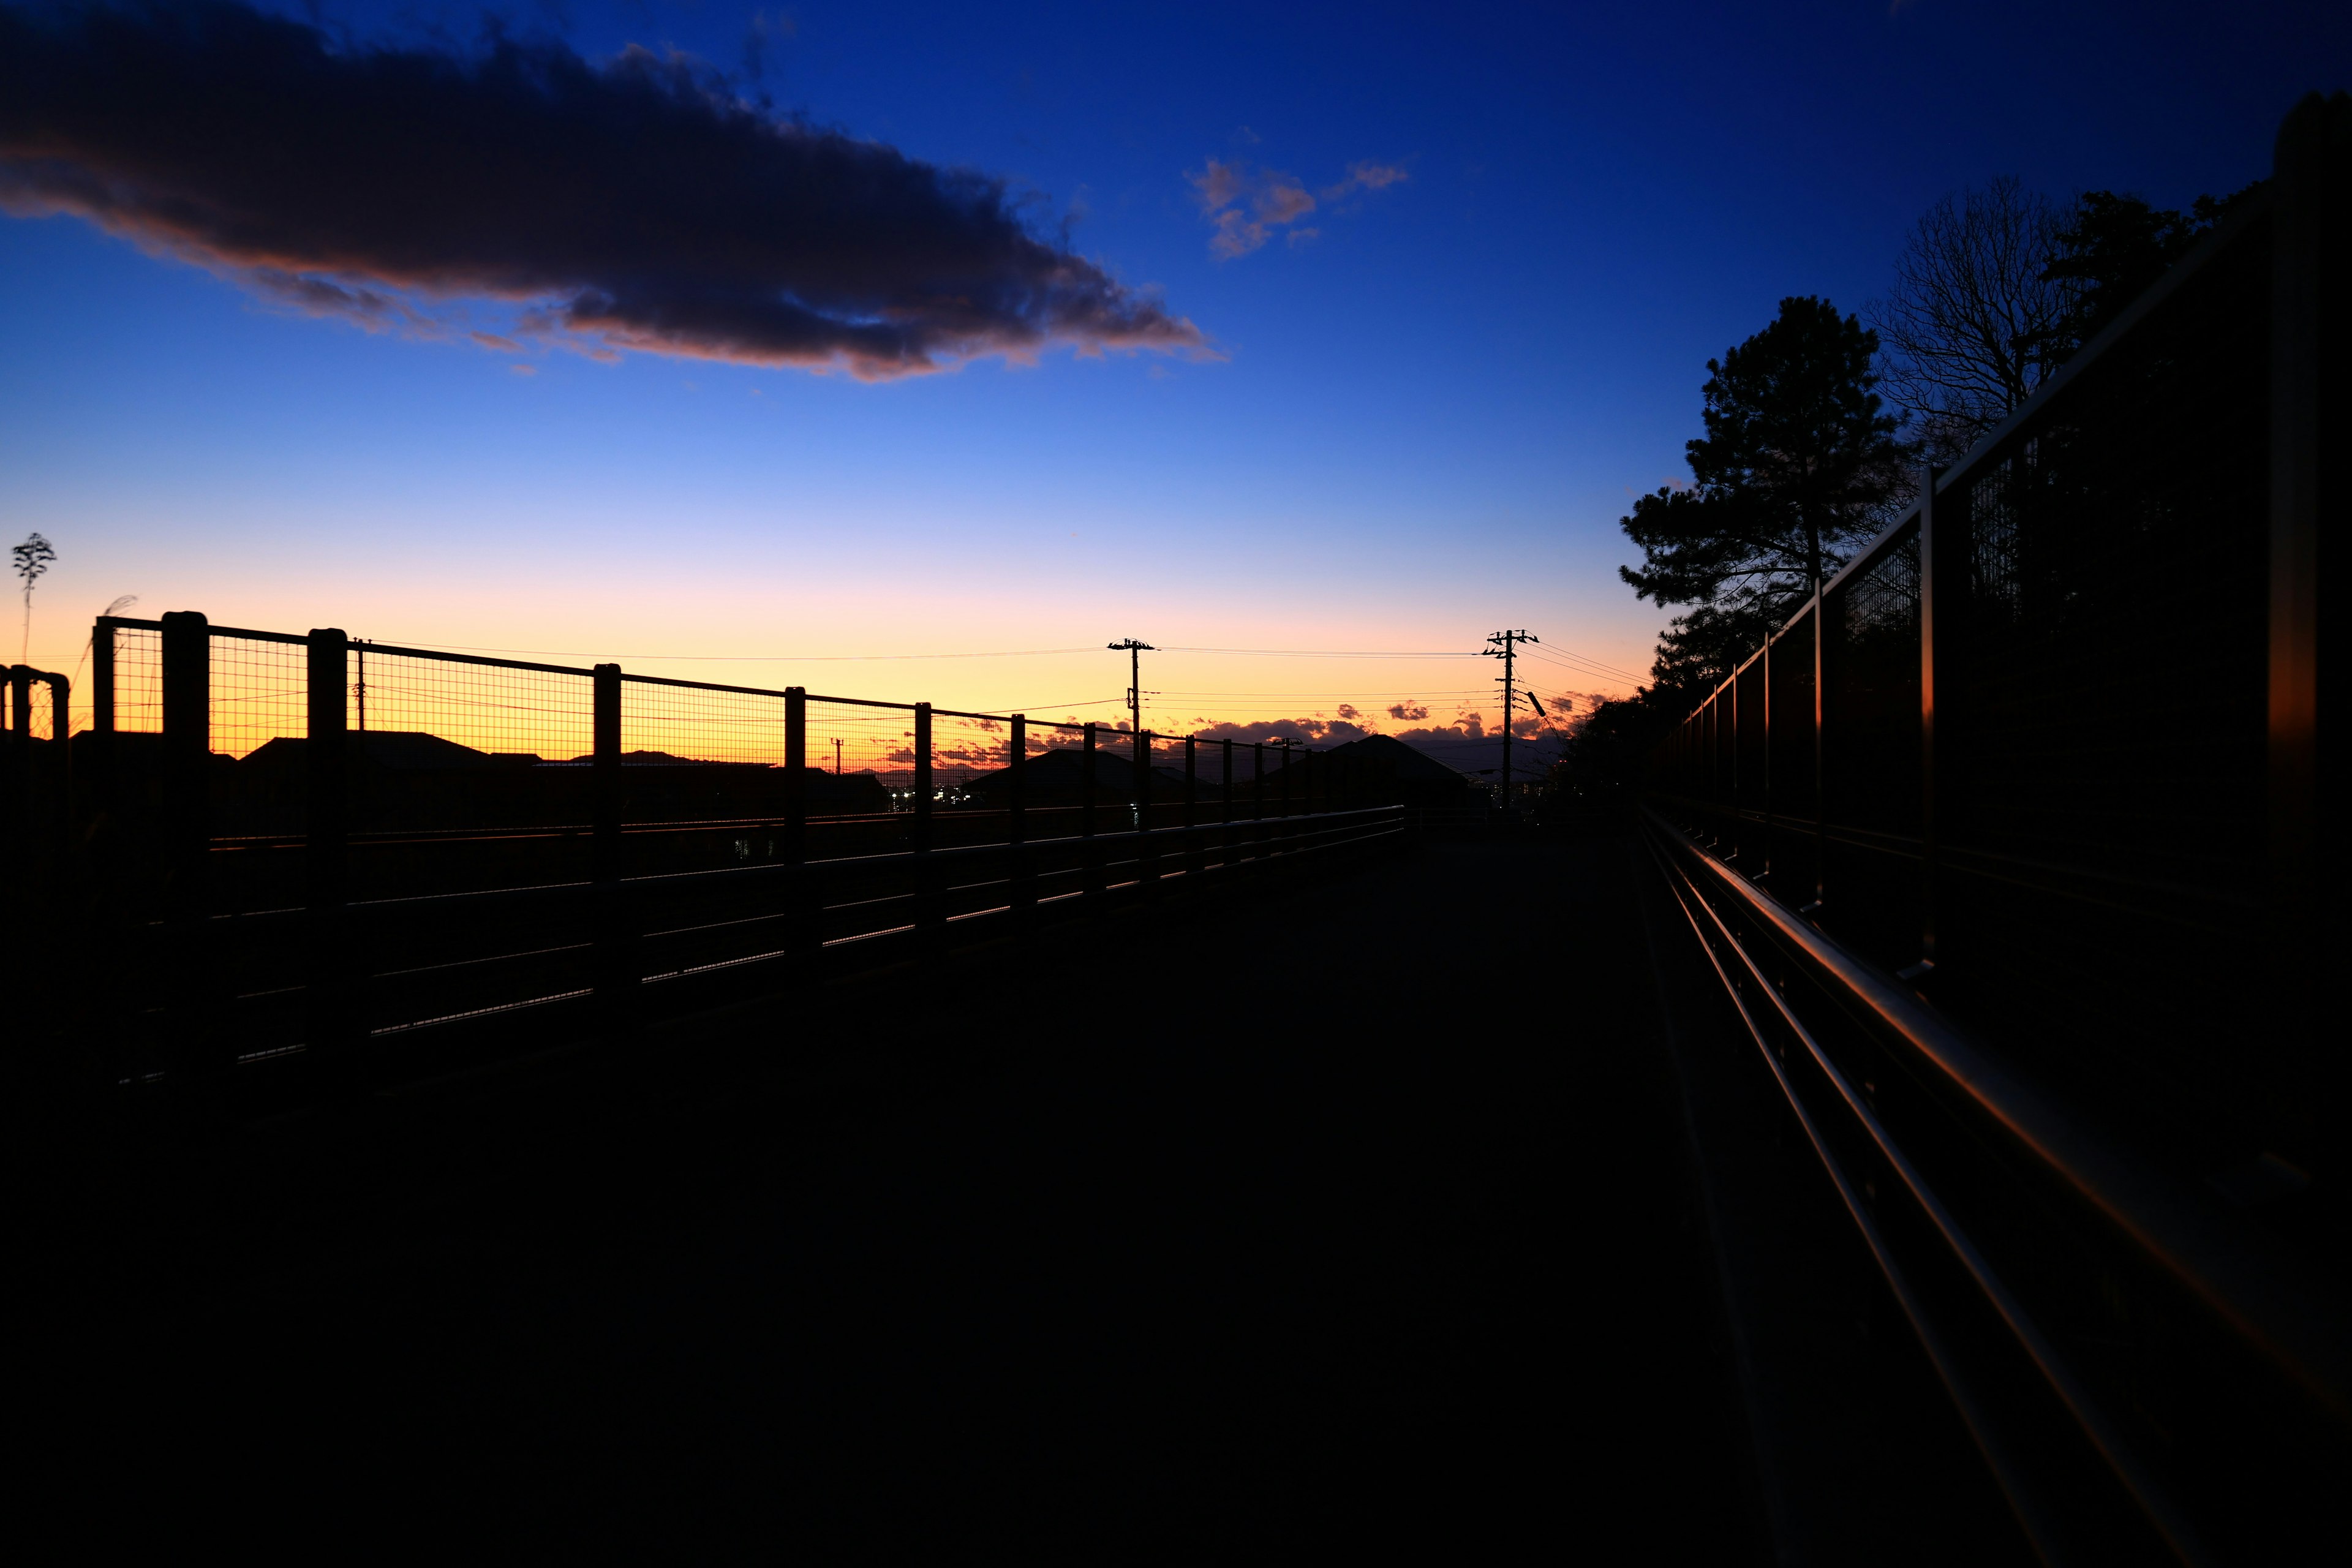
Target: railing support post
{"x":616,"y":978}
{"x":184,"y":817}
{"x":2311,"y":248}
{"x":98,"y":783}
{"x":334,"y":1017}
{"x":61,"y":748}
{"x":1146,"y":869}
{"x":931,"y":924}
{"x":804,"y":911}
{"x":1192,"y":855}
{"x":1016,"y":826}
{"x":1091,"y":852}
{"x":1225,"y":797}
{"x":1823,"y":667}
{"x":1258,"y":799}
{"x":17,"y":834}
{"x":1940,"y":586}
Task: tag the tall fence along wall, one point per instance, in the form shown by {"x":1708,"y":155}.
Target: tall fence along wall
{"x":2023,"y":747}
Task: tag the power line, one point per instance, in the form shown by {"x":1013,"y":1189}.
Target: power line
{"x":1583,"y":666}
{"x":1326,"y":652}
{"x":741,"y":658}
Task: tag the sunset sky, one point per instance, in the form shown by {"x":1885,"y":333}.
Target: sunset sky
{"x":1370,"y":322}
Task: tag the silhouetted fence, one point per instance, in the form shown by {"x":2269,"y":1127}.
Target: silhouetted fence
{"x":297,"y":844}
{"x":2007,"y":848}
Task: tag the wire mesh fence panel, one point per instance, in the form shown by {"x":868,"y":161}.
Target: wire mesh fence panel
{"x":260,"y":693}
{"x":40,"y":715}
{"x":138,"y":681}
{"x":1871,"y":723}
{"x":2108,"y":722}
{"x":868,"y":749}
{"x":969,"y":756}
{"x":495,"y":711}
{"x":693,"y":755}
{"x":663,"y":722}
{"x":260,"y":717}
{"x":439,"y":749}
{"x":2112,"y":537}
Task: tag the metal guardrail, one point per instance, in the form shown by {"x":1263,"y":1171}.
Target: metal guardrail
{"x":2048,"y":744}
{"x":2053,"y":1279}
{"x":2017,"y":894}
{"x":303,"y":847}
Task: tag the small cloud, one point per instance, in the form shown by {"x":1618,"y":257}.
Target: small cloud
{"x":1246,"y":206}
{"x":1376,"y":176}
{"x":522,"y":369}
{"x":1349,"y":711}
{"x":1410,"y":711}
{"x":496,"y":343}
{"x":1245,"y":137}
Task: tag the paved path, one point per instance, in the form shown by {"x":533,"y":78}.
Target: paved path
{"x":1349,"y":1217}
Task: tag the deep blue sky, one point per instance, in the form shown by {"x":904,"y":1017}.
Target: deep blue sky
{"x":1428,"y":418}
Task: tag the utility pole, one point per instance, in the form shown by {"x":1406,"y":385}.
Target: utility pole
{"x":1135,"y":651}
{"x":836,"y":759}
{"x":1505,"y":646}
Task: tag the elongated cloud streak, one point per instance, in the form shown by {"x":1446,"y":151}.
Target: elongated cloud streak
{"x":637,"y":203}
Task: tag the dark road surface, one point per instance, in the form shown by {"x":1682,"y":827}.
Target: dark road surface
{"x":1313,"y":1223}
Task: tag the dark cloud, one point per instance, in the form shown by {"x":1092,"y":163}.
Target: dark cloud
{"x":637,"y":204}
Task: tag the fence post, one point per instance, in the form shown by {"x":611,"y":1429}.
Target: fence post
{"x":335,"y":963}
{"x":2310,"y":251}
{"x":616,"y":979}
{"x":1017,"y":823}
{"x":930,"y":925}
{"x":16,"y":854}
{"x":1940,"y":585}
{"x":61,"y":742}
{"x":1772,"y":776}
{"x":185,"y":817}
{"x":1823,"y":667}
{"x":1226,"y":803}
{"x":99,"y":777}
{"x":804,"y":915}
{"x":1194,"y":859}
{"x":1147,"y":870}
{"x":1090,"y":853}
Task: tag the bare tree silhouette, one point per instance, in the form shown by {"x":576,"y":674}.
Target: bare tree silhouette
{"x":32,"y":559}
{"x":1966,"y":330}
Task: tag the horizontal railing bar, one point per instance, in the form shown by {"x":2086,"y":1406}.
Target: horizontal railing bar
{"x":248,"y":634}
{"x":2118,"y":1455}
{"x":863,"y":702}
{"x":2162,"y":1221}
{"x":361,"y":646}
{"x":1997,"y":1455}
